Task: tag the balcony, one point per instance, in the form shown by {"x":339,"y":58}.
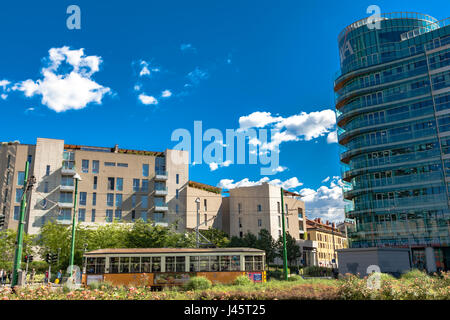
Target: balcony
{"x":162,"y":224}
{"x":65,"y":205}
{"x":67,"y":188}
{"x":161,"y":207}
{"x":161,"y":175}
{"x":161,"y":191}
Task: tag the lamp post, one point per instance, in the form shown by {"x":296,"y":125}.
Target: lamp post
{"x":74,"y":221}
{"x":197,"y":201}
{"x":284,"y":237}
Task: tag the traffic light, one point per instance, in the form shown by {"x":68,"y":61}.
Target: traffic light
{"x":54,"y":257}
{"x":2,"y":221}
{"x":26,"y":258}
{"x":30,"y":259}
{"x":48,"y":258}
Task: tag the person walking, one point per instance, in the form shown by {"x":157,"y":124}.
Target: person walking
{"x":9,"y":276}
{"x":2,"y":272}
{"x":32,"y":275}
{"x":58,"y":277}
{"x":46,"y":277}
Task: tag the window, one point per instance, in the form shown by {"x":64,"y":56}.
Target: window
{"x":259,"y":208}
{"x":85,"y":166}
{"x":6,"y":196}
{"x":16,"y":213}
{"x":110,"y":199}
{"x":118,"y":200}
{"x":144,"y":215}
{"x":279,"y":221}
{"x":119,"y":184}
{"x":176,"y":209}
{"x":144,"y":202}
{"x":175,"y":264}
{"x":177,"y":178}
{"x":135,"y":264}
{"x":93,"y":215}
{"x":65,"y":215}
{"x":300,"y":213}
{"x":110,"y":183}
{"x":95,"y":166}
{"x":136,"y":185}
{"x":19,"y":193}
{"x":81,"y":214}
{"x":133,"y":215}
{"x":205,"y":202}
{"x":240,"y":222}
{"x":8,"y":178}
{"x":160,"y":165}
{"x":83,"y":196}
{"x":47,"y":171}
{"x":118,"y":215}
{"x":278,"y":207}
{"x":286,"y":208}
{"x":145,"y":170}
{"x":20,"y":178}
{"x":124,"y":264}
{"x":9,"y":161}
{"x":259,"y":222}
{"x":94,"y":198}
{"x":144,"y":187}
{"x":110,"y":164}
{"x":46,"y":187}
{"x":239,"y":208}
{"x":176,"y":194}
{"x":123,"y":165}
{"x":206,"y":219}
{"x":65,"y":197}
{"x":109,"y":215}
{"x":133,"y":200}
{"x":67,"y":181}
{"x":95,"y":183}
{"x":159,"y":202}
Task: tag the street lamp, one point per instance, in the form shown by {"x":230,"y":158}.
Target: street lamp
{"x":72,"y":247}
{"x":197,"y":201}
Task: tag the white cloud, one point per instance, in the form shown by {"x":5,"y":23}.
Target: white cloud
{"x":4,"y":83}
{"x":326,"y":179}
{"x":214,"y":165}
{"x":287,"y":184}
{"x":187,"y":47}
{"x":303,"y":126}
{"x":137,"y":87}
{"x":146,"y":70}
{"x":279,"y":169}
{"x":4,"y":96}
{"x":145,"y":99}
{"x":326,"y":202}
{"x":66,"y":91}
{"x":332,"y":137}
{"x":197,"y":75}
{"x":166,"y":94}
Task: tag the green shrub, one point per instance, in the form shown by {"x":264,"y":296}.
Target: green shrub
{"x":94,"y":285}
{"x":413,"y":274}
{"x":242,"y":281}
{"x":276,"y":274}
{"x":198,"y":283}
{"x":39,"y":266}
{"x":316,"y":271}
{"x":295,"y":278}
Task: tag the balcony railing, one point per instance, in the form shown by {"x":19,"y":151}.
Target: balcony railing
{"x":161,"y":207}
{"x":161,"y":191}
{"x":161,"y":175}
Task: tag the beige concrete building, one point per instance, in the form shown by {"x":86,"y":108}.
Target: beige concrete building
{"x":328,"y":238}
{"x":116,"y":183}
{"x":259,"y":207}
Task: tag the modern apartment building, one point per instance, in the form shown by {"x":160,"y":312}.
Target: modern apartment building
{"x":259,"y":207}
{"x":115,"y":183}
{"x":393,"y":116}
{"x":328,"y":238}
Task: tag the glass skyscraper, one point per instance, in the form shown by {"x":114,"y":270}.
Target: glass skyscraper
{"x":393,"y":114}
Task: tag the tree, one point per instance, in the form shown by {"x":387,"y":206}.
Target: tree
{"x":8,"y":247}
{"x":267,"y":243}
{"x":216,"y":236}
{"x":292,"y":249}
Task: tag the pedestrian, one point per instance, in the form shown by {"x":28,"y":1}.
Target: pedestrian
{"x":46,"y":277}
{"x":58,"y":277}
{"x":2,"y":272}
{"x":33,"y":273}
{"x":9,"y":276}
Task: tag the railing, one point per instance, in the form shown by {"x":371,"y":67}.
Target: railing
{"x":433,"y":25}
{"x":401,"y":202}
{"x":385,"y":80}
{"x":397,"y":180}
{"x":391,"y":138}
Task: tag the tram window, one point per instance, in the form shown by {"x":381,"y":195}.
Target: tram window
{"x":235,"y":263}
{"x":156,"y":264}
{"x":214,"y":263}
{"x":225,"y":263}
{"x":193,"y":264}
{"x":100,"y":266}
{"x":259,"y":263}
{"x":248,"y":263}
{"x":204,"y":264}
{"x":114,"y":265}
{"x":180,"y":264}
{"x":90,"y":265}
{"x":135,"y":264}
{"x":170,"y":264}
{"x":124,"y":264}
{"x":145,"y":264}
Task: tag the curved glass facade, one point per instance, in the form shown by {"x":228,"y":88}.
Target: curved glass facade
{"x":393,"y":114}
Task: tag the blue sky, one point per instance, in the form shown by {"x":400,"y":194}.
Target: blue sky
{"x":269,"y":62}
